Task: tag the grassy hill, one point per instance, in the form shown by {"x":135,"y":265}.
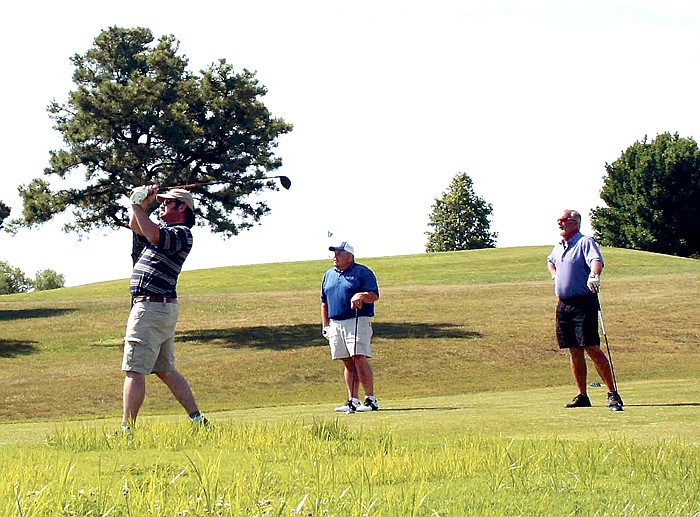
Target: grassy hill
{"x":249,"y":336}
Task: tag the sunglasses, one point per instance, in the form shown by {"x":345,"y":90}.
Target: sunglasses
{"x":566,"y":220}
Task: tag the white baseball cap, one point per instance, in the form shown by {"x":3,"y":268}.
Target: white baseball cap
{"x":178,"y":194}
{"x":344,"y":246}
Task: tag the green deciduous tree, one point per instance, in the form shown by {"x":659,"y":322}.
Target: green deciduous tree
{"x":136,"y":117}
{"x":13,"y":280}
{"x":460,"y":219}
{"x":47,"y":279}
{"x":652,"y":193}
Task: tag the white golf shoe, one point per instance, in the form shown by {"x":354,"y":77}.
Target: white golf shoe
{"x":370,"y":404}
{"x":349,"y":407}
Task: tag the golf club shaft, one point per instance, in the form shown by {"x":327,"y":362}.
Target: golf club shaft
{"x":192,"y":185}
{"x":607,"y":346}
{"x":354,"y":355}
{"x":284,"y":180}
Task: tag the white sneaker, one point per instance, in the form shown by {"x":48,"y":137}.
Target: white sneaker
{"x":368,"y":405}
{"x":349,"y":407}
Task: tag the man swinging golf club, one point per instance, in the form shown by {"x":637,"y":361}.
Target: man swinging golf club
{"x":150,"y":332}
{"x":348,"y":293}
{"x":575,"y":265}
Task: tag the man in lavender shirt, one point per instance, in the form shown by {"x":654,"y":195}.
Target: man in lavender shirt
{"x":575,"y":264}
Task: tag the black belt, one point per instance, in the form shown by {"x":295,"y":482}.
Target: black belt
{"x":157,"y":299}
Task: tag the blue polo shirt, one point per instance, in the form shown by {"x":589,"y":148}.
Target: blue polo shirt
{"x":573,"y":262}
{"x":338,"y":288}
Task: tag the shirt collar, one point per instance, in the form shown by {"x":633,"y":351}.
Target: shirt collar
{"x":572,"y":241}
{"x":349,"y":268}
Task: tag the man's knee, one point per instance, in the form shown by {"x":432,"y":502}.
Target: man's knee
{"x":362,"y":360}
{"x":594,"y":351}
{"x":130,"y":374}
{"x":166,"y":376}
{"x":576,"y":352}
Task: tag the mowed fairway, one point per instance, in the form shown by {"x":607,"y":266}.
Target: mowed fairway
{"x":446,"y":324}
{"x":465,"y":361}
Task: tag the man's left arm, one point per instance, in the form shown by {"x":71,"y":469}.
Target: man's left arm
{"x":593,"y":282}
{"x":370,"y":295}
{"x":364,"y":297}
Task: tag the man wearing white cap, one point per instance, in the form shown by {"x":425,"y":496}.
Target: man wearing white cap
{"x":150,"y":333}
{"x":348,"y":293}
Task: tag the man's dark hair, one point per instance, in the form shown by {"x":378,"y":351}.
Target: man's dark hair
{"x":189,"y":217}
{"x":189,"y":214}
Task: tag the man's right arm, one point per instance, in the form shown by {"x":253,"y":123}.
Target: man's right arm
{"x":325,"y":320}
{"x":139,"y":220}
{"x":142,"y":224}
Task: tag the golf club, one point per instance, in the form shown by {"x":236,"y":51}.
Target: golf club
{"x":284,"y":181}
{"x":354,"y":364}
{"x":140,"y":193}
{"x":616,"y":407}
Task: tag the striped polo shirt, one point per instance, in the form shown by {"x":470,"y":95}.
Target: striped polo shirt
{"x":158,"y":266}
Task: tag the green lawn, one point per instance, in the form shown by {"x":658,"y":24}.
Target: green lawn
{"x":469,"y":378}
{"x":249,"y":336}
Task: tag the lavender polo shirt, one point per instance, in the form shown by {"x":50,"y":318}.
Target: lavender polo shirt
{"x":573,"y":262}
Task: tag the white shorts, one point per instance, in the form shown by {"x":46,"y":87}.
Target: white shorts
{"x":341,"y":337}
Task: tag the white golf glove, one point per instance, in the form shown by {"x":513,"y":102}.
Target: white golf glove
{"x":594,"y":282}
{"x":138,"y":195}
{"x":326,"y":332}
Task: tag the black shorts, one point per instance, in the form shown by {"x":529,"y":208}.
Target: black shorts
{"x":577,"y":322}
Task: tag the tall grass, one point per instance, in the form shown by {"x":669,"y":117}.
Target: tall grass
{"x":325,"y":468}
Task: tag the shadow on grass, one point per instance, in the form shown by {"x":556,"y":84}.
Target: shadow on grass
{"x":301,"y":336}
{"x":419,"y":408}
{"x":13,"y":348}
{"x":423,"y":331}
{"x":23,"y":314}
{"x":668,"y":404}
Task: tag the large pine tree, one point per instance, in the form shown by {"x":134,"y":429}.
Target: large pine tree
{"x":138,"y":117}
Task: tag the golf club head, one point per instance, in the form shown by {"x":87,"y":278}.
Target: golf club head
{"x":285,"y":181}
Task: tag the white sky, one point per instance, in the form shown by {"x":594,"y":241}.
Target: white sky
{"x":389,"y":101}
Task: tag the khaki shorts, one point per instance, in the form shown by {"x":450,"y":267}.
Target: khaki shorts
{"x":149,"y":343}
{"x":341,"y":337}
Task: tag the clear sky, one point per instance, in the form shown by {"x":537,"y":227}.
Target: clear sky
{"x":389,"y":101}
